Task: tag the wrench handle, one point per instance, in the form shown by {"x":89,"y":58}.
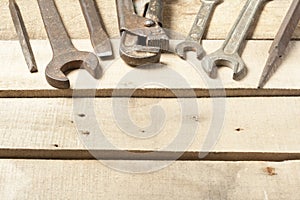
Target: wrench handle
{"x":240,"y":30}
{"x":202,"y":19}
{"x":56,"y":31}
{"x":126,"y":15}
{"x":155,"y":11}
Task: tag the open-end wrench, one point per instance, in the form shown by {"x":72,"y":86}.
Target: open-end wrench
{"x":193,"y":41}
{"x":65,"y":56}
{"x":98,"y":35}
{"x":229,"y":54}
{"x":142,"y":38}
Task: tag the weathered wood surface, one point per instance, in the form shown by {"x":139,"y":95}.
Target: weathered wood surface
{"x":16,"y":81}
{"x":56,"y":179}
{"x":253,"y":128}
{"x":178,"y":16}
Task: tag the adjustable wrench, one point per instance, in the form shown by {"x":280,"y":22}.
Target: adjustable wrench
{"x":65,"y":56}
{"x":229,"y":54}
{"x":193,"y":41}
{"x":142,"y":38}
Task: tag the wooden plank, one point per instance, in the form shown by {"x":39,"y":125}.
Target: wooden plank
{"x":179,"y":16}
{"x":253,"y":129}
{"x":175,"y":74}
{"x":60,"y":179}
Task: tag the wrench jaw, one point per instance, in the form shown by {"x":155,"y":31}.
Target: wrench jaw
{"x":186,"y":46}
{"x":151,"y":38}
{"x":158,"y":38}
{"x":136,"y":58}
{"x":143,"y":46}
{"x":59,"y":66}
{"x":218,"y":59}
{"x":142,"y":37}
{"x":135,"y":54}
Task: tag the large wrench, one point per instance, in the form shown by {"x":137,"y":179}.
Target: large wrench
{"x":142,"y":38}
{"x":229,"y":54}
{"x":193,"y":41}
{"x":65,"y":56}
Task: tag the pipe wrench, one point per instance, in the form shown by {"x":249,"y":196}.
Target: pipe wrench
{"x":142,"y":37}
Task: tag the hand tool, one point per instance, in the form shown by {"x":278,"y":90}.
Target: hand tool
{"x":229,"y":54}
{"x":65,"y":56}
{"x":23,"y":36}
{"x":142,"y":38}
{"x":281,"y":42}
{"x":193,"y":41}
{"x":98,"y":35}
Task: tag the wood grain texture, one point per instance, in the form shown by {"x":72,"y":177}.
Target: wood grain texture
{"x":178,"y":16}
{"x":174,"y":74}
{"x":57,"y":179}
{"x":252,"y":128}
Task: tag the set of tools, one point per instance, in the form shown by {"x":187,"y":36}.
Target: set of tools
{"x":143,"y":38}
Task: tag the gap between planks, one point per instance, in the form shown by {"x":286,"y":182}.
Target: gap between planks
{"x":143,"y":155}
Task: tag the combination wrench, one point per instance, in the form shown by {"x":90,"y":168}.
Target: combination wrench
{"x":65,"y":56}
{"x":229,"y":54}
{"x":194,"y":38}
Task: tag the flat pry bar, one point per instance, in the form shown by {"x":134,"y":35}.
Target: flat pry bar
{"x":281,"y":42}
{"x":23,"y":36}
{"x":99,"y":38}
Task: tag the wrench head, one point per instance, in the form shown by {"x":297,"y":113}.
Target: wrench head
{"x":211,"y":62}
{"x":137,"y":57}
{"x":134,"y":54}
{"x":185,"y":46}
{"x":60,"y":65}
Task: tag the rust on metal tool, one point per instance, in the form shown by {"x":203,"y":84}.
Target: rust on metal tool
{"x":142,"y":37}
{"x":23,"y":36}
{"x":65,"y":56}
{"x":98,"y":35}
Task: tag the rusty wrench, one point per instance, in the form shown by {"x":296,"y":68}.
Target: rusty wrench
{"x":65,"y":56}
{"x":193,"y":41}
{"x":142,"y":38}
{"x":229,"y":54}
{"x":98,"y":35}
